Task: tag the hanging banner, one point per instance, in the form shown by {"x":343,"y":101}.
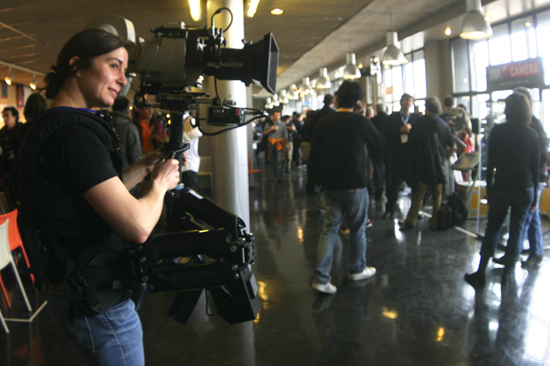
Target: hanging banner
{"x":527,"y":73}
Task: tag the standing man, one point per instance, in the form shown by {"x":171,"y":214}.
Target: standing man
{"x":277,"y":139}
{"x":11,"y":137}
{"x":257,"y":136}
{"x":151,"y":129}
{"x":377,"y":157}
{"x":130,"y":142}
{"x":397,"y":135}
{"x":291,"y":131}
{"x":297,"y":121}
{"x":307,"y":135}
{"x":431,"y":143}
{"x":339,"y":164}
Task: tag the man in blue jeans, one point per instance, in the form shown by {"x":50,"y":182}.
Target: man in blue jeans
{"x":339,"y":156}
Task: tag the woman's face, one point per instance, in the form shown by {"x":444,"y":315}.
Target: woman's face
{"x":101,"y":82}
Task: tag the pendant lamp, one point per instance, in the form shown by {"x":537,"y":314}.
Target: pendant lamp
{"x":351,"y":71}
{"x":474,"y":25}
{"x":393,"y":55}
{"x":323,"y":81}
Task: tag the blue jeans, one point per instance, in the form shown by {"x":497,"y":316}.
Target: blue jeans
{"x":114,"y":338}
{"x":351,"y":205}
{"x":499,"y":202}
{"x":534,"y":231}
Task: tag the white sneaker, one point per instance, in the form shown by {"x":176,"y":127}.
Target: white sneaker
{"x":367,"y":273}
{"x":327,"y":288}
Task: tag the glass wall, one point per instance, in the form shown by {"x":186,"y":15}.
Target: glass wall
{"x":408,"y":78}
{"x":517,"y":39}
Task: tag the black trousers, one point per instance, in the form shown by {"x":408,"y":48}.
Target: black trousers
{"x":378,"y":177}
{"x":394,"y":179}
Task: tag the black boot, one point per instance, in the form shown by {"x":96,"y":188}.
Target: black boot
{"x":477,"y":279}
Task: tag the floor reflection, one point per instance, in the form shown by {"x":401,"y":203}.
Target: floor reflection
{"x":417,"y":310}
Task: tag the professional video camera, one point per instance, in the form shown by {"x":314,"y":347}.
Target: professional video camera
{"x":219,"y":252}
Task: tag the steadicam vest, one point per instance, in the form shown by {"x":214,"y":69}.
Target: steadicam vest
{"x":96,"y":275}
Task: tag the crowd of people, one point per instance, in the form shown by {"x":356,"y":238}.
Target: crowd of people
{"x":352,"y":154}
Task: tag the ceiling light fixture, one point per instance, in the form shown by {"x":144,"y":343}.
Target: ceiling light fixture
{"x":323,"y":81}
{"x":10,"y":77}
{"x":276,"y":11}
{"x":252,"y":7}
{"x":448,"y":31}
{"x":293,"y":92}
{"x":195,"y":7}
{"x":474,"y":25}
{"x":351,"y":71}
{"x":34,"y":83}
{"x":283,"y":97}
{"x":393,"y":55}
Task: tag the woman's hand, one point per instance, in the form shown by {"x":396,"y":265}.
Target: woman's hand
{"x":153,"y":159}
{"x":166,"y":174}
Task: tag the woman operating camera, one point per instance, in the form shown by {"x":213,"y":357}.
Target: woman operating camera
{"x":73,"y":191}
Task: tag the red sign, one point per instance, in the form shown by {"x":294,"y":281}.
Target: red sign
{"x":528,"y":73}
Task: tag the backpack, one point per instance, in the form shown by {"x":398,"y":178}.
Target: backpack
{"x":459,"y":207}
{"x":444,"y":217}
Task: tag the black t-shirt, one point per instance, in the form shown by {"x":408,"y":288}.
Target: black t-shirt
{"x":77,"y":160}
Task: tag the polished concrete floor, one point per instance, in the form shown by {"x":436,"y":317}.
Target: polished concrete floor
{"x":417,"y":310}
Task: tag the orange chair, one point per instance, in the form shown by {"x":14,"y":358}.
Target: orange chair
{"x":14,"y":239}
{"x":6,"y":259}
{"x":255,"y":171}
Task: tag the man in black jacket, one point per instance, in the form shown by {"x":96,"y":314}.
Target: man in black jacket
{"x":431,"y":142}
{"x":399,"y":125}
{"x":379,"y":121}
{"x":339,"y":164}
{"x":130,"y":142}
{"x":307,"y":135}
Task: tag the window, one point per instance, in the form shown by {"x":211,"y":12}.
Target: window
{"x":500,"y":51}
{"x":408,"y":78}
{"x":515,"y":40}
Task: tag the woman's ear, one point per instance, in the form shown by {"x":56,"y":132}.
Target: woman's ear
{"x":72,"y":64}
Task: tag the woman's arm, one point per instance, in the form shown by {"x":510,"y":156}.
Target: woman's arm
{"x":133,"y":218}
{"x":132,"y":175}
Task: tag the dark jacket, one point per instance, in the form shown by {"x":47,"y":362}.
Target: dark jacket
{"x":514,"y":158}
{"x":429,"y":141}
{"x":311,"y":123}
{"x":380,"y":122}
{"x":130,"y":142}
{"x":394,"y":149}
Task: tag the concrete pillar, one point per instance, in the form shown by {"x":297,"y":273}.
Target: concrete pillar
{"x":229,"y":150}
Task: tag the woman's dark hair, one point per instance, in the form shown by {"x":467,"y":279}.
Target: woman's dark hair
{"x":349,"y":93}
{"x":86,"y":45}
{"x":34,"y":107}
{"x":518,"y":109}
